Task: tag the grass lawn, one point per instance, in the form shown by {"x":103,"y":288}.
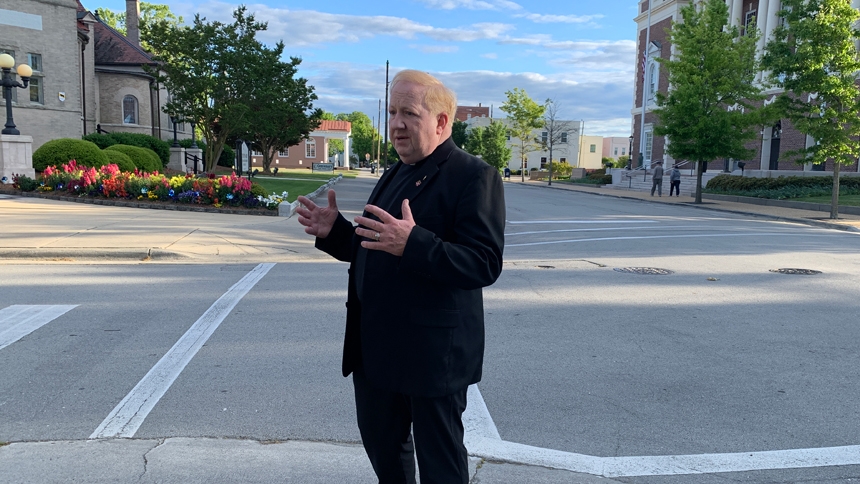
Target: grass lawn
{"x":293,"y":187}
{"x":852,"y":200}
{"x":296,"y":173}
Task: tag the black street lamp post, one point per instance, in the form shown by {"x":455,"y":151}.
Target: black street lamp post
{"x":174,"y":120}
{"x":193,"y":135}
{"x":8,"y":82}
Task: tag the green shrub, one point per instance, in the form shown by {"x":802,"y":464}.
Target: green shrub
{"x":101,"y":140}
{"x":143,"y":158}
{"x":24,"y":183}
{"x":120,"y":159}
{"x":258,"y":190}
{"x":59,"y":151}
{"x":161,"y":148}
{"x":781,"y":187}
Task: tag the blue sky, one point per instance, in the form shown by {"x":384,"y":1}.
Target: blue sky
{"x":580,"y":54}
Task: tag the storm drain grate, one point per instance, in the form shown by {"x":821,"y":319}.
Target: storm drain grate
{"x":649,"y":271}
{"x":802,"y":272}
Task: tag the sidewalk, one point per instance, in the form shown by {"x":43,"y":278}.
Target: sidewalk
{"x":809,"y":217}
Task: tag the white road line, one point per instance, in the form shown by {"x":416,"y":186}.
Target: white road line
{"x":19,"y":321}
{"x":548,"y":222}
{"x":663,"y":465}
{"x":476,"y":419}
{"x":606,"y":229}
{"x":482,"y":439}
{"x":598,"y":239}
{"x":130,"y":413}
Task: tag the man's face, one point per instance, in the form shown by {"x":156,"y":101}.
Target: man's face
{"x":414,"y":130}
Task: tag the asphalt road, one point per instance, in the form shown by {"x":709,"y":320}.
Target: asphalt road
{"x":717,"y":356}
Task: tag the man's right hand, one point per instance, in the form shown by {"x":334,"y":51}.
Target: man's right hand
{"x":317,"y":220}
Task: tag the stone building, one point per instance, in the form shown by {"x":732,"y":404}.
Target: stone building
{"x":85,"y":74}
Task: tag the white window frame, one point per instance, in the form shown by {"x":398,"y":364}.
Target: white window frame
{"x":311,"y":148}
{"x":37,"y":79}
{"x":649,"y":147}
{"x":564,"y":136}
{"x":285,"y":153}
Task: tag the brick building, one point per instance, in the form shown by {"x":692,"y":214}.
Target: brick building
{"x":769,"y":150}
{"x":312,"y":150}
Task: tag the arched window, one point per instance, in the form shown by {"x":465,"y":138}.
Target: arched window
{"x":310,"y":148}
{"x":129,"y":110}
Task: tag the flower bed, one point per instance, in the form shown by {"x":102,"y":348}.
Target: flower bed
{"x":109,"y":182}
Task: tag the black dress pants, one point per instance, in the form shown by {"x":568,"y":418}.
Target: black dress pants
{"x":384,"y":420}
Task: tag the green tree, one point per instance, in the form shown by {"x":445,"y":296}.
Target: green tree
{"x":475,"y":141}
{"x":208,"y":68}
{"x":710,"y":111}
{"x":557,"y":131}
{"x":814,"y":51}
{"x":280,"y":104}
{"x":150,"y":14}
{"x":525,"y":116}
{"x":495,"y":145}
{"x":458,"y":133}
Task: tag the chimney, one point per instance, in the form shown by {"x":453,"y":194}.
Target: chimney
{"x":132,"y":21}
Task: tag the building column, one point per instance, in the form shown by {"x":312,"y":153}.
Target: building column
{"x":761,"y":20}
{"x":736,"y":15}
{"x":773,"y":9}
{"x":346,"y":152}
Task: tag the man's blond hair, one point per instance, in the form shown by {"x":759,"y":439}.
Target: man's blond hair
{"x":438,"y":98}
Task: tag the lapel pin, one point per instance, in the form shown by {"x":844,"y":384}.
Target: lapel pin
{"x":418,"y":183}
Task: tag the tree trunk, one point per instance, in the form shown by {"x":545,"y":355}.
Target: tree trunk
{"x":550,"y":164}
{"x":834,"y":200}
{"x":699,"y":181}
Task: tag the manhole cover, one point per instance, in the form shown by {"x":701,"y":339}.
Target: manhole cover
{"x":546,"y":267}
{"x":802,"y":272}
{"x":651,"y":271}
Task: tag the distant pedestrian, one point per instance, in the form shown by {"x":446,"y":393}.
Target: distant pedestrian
{"x":675,"y":180}
{"x":657,"y":179}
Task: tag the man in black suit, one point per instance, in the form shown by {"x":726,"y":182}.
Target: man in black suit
{"x":430,"y":239}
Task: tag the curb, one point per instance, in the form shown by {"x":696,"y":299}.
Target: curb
{"x":136,"y":204}
{"x":817,"y":223}
{"x":92,"y":254}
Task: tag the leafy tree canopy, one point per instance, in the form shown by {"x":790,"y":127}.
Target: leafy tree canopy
{"x":710,"y":111}
{"x":813,"y":57}
{"x":150,"y":13}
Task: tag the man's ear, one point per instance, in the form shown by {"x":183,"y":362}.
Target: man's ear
{"x":442,"y":122}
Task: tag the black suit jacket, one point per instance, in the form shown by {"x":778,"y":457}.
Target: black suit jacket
{"x":420,"y":328}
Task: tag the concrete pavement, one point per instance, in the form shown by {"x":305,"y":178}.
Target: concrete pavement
{"x":46,"y":231}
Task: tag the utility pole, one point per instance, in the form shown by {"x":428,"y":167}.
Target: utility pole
{"x":386,"y":116}
{"x":378,"y":137}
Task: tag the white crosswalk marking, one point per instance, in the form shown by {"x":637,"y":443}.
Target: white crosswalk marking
{"x":130,"y":413}
{"x":20,"y":320}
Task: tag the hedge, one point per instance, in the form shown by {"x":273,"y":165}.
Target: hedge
{"x":143,"y":158}
{"x":781,"y":187}
{"x":120,"y":159}
{"x":161,"y":148}
{"x":62,"y":150}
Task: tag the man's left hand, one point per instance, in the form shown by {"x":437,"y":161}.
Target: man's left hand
{"x":388,"y":233}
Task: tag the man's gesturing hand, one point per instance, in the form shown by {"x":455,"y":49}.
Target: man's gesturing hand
{"x":317,"y":220}
{"x":388,"y":233}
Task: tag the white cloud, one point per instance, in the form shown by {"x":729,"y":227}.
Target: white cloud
{"x":490,"y":55}
{"x":308,"y":27}
{"x":536,"y":39}
{"x":566,"y":19}
{"x":472,"y":4}
{"x":435,"y":49}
